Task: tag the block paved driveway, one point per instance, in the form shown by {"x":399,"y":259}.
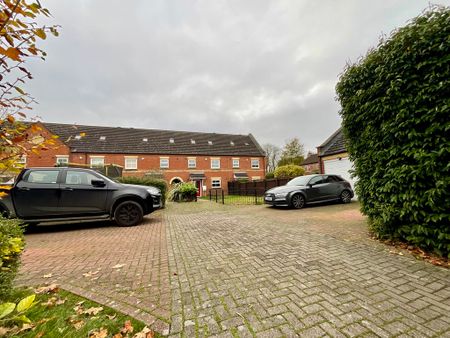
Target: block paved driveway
{"x":203,"y":269}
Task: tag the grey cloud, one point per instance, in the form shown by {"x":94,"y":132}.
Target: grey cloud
{"x":265,"y":67}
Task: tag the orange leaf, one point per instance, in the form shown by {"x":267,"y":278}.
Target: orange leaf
{"x":40,"y":32}
{"x":11,"y":119}
{"x":12,"y":53}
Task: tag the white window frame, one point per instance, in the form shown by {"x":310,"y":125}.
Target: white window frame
{"x":62,"y":157}
{"x":213,"y":160}
{"x":216,"y":179}
{"x":255,"y":159}
{"x":164,"y":166}
{"x":236,"y":166}
{"x":192,"y":162}
{"x":97,"y":158}
{"x":127,"y":165}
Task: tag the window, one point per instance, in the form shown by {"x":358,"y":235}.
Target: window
{"x":235,"y":163}
{"x":97,"y":161}
{"x":316,"y":180}
{"x":215,"y":183}
{"x":171,"y":140}
{"x":255,"y":163}
{"x":164,"y":162}
{"x":210,"y":143}
{"x":62,"y":160}
{"x":131,"y":163}
{"x":79,"y":178}
{"x":215,"y":163}
{"x":102,"y":138}
{"x":192,"y":163}
{"x":42,"y":176}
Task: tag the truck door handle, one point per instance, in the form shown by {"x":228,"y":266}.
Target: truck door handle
{"x":68,"y":189}
{"x":24,"y":188}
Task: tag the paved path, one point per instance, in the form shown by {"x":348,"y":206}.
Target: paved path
{"x":203,"y":269}
{"x":124,"y":268}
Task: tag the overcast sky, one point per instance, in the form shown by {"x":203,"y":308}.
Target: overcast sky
{"x":241,"y":66}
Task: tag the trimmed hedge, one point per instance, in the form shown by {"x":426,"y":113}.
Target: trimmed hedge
{"x":12,"y":243}
{"x":396,"y":118}
{"x":289,"y":170}
{"x":152,"y":182}
{"x":183,"y":192}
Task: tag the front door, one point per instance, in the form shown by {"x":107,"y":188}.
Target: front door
{"x":198,"y":185}
{"x":37,"y":194}
{"x":78,"y":195}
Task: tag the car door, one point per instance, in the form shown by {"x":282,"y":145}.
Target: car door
{"x":79,"y":197}
{"x":37,"y":193}
{"x":313,"y":190}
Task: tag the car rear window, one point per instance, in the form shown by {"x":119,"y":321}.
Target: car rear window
{"x":41,"y":176}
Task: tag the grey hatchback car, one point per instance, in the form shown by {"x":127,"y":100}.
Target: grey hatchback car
{"x":310,"y":189}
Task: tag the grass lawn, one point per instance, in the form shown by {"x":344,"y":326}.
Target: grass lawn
{"x":62,"y":314}
{"x":237,"y":199}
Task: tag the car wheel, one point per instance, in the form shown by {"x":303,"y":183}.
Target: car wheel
{"x":298,"y":201}
{"x":346,"y":197}
{"x":128,"y":213}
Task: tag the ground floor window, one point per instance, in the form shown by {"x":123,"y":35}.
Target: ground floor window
{"x":216,"y":183}
{"x":97,"y":161}
{"x":62,"y":160}
{"x":131,"y":163}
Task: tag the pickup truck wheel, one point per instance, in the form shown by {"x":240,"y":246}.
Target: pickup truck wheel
{"x":128,"y":213}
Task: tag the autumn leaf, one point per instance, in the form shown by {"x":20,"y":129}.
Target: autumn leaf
{"x":127,"y":328}
{"x":12,"y":53}
{"x":52,"y":288}
{"x":145,"y":333}
{"x":41,"y":33}
{"x":92,"y":311}
{"x":10,"y":119}
{"x":102,"y":333}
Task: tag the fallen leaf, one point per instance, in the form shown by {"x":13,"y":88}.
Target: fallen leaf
{"x":92,"y":311}
{"x":111,"y":317}
{"x":40,"y":334}
{"x":50,"y":275}
{"x":60,"y":301}
{"x":52,"y":288}
{"x":118,"y":266}
{"x":4,"y":330}
{"x":145,"y":333}
{"x":127,"y":328}
{"x":26,"y":327}
{"x":102,"y":333}
{"x":76,"y":323}
{"x":118,"y":335}
{"x":90,"y":273}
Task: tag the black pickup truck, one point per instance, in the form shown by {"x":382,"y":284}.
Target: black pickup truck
{"x":73,"y":194}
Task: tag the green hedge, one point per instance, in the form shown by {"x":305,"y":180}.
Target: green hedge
{"x":289,"y":170}
{"x":153,"y":182}
{"x":396,"y":118}
{"x":11,"y":245}
{"x":183,"y":192}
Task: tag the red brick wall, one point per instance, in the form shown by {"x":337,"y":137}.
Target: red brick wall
{"x":178,"y":164}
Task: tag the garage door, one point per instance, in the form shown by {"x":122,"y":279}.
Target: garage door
{"x":340,"y":167}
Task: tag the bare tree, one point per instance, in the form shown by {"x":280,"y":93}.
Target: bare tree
{"x":272,"y":156}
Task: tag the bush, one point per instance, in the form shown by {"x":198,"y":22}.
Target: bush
{"x":290,"y":170}
{"x":395,"y":110}
{"x":152,"y":182}
{"x":269,"y":175}
{"x":183,"y":192}
{"x":11,"y":245}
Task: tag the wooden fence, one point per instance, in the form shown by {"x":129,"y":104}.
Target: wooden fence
{"x":253,"y":188}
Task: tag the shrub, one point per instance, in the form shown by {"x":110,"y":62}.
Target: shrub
{"x":290,"y":170}
{"x":395,"y":110}
{"x":269,"y":175}
{"x":11,"y":245}
{"x":183,"y":192}
{"x":152,"y":182}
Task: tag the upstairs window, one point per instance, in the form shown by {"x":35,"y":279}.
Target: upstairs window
{"x":192,"y":163}
{"x":235,"y":163}
{"x":164,"y":162}
{"x":215,"y":163}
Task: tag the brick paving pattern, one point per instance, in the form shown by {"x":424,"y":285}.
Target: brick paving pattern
{"x":124,"y":268}
{"x":204,"y":269}
{"x":248,"y":273}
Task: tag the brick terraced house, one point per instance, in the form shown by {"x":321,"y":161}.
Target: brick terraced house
{"x":210,"y":160}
